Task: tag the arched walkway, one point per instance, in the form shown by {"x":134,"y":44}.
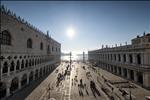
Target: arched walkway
{"x":44,"y":71}
{"x":2,"y":90}
{"x":40,"y":72}
{"x":36,"y":74}
{"x":14,"y":84}
{"x":31,"y":76}
{"x":24,"y":80}
{"x":5,"y":68}
{"x":140,"y":77}
{"x":12,"y":66}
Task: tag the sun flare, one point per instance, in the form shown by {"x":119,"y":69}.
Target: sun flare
{"x":71,"y":32}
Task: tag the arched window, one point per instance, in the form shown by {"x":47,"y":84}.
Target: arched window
{"x":41,"y":46}
{"x":12,"y":67}
{"x":5,"y":67}
{"x":26,"y":63}
{"x":22,"y":64}
{"x":119,"y":57}
{"x":32,"y":62}
{"x":124,"y":58}
{"x":18,"y":65}
{"x":138,"y":59}
{"x":5,"y":38}
{"x":29,"y":43}
{"x":115,"y":57}
{"x":130,"y":58}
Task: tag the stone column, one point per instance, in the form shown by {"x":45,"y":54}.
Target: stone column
{"x":146,"y":79}
{"x":15,"y":66}
{"x":34,"y":74}
{"x":142,"y":58}
{"x":117,"y":58}
{"x":113,"y":57}
{"x":117,"y":70}
{"x":113,"y":69}
{"x":8,"y":85}
{"x":28,"y":78}
{"x":19,"y":84}
{"x":121,"y":55}
{"x":128,"y":74}
{"x":122,"y":72}
{"x":1,"y":71}
{"x":134,"y":58}
{"x":8,"y":73}
{"x":135,"y":76}
{"x":127,"y":58}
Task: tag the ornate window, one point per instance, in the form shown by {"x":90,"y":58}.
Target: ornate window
{"x":5,"y":67}
{"x":138,"y":59}
{"x":29,"y":43}
{"x":12,"y":67}
{"x":22,"y":64}
{"x":41,"y":46}
{"x":5,"y":38}
{"x":18,"y":65}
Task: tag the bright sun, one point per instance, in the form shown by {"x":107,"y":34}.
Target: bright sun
{"x":70,"y":32}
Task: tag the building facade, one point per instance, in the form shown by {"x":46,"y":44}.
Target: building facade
{"x":26,"y":53}
{"x":129,"y":61}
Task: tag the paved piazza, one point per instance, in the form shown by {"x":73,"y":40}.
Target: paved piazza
{"x":108,"y":85}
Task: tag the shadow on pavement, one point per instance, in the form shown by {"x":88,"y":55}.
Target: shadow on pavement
{"x":25,"y":91}
{"x":94,"y":89}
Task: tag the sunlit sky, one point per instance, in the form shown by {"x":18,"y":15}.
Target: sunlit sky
{"x":91,"y":23}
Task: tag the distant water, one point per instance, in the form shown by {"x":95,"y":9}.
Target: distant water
{"x":74,"y":57}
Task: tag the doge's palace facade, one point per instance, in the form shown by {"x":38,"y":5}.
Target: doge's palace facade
{"x":26,"y":53}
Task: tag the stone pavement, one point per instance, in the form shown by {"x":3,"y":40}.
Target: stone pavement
{"x":70,"y":89}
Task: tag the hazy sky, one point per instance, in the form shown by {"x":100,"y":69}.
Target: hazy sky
{"x":95,"y":22}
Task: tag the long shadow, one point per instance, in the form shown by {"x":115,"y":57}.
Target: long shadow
{"x":94,"y":89}
{"x":80,"y":90}
{"x":86,"y":89}
{"x":26,"y":90}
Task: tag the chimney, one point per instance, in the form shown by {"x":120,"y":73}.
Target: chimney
{"x":126,"y":43}
{"x":116,"y":45}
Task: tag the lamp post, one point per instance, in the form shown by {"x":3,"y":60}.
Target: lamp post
{"x":70,"y":59}
{"x":130,"y":91}
{"x":83,"y":56}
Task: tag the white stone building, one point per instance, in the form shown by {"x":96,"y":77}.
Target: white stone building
{"x":130,"y":61}
{"x":26,"y":53}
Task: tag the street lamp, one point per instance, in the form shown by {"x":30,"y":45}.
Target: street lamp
{"x":70,"y":59}
{"x":83,"y":56}
{"x":130,"y":91}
